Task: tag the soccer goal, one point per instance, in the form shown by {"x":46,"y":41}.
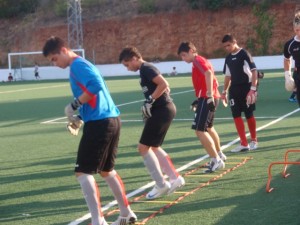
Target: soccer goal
{"x":22,"y":64}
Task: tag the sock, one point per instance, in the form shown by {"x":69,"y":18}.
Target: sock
{"x":215,"y":160}
{"x":166,"y":164}
{"x":293,"y":95}
{"x":240,"y":127}
{"x":152,"y":164}
{"x":252,"y":128}
{"x":91,"y":194}
{"x":116,"y":185}
{"x":220,"y":153}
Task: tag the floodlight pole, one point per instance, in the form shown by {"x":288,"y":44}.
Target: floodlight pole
{"x":75,"y":34}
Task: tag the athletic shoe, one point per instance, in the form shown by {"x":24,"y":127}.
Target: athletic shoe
{"x":179,"y":182}
{"x":222,"y":156}
{"x":253,"y":145}
{"x":156,"y":192}
{"x":215,"y":165}
{"x":240,"y":148}
{"x":292,"y":100}
{"x":130,"y":219}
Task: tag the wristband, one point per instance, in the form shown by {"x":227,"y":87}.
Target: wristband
{"x":76,"y":104}
{"x":150,"y":100}
{"x":253,"y":88}
{"x":224,"y":92}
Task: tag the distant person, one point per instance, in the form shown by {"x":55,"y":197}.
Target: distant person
{"x":158,"y":112}
{"x":174,"y":72}
{"x":241,"y":82}
{"x":36,"y":71}
{"x":206,"y":91}
{"x":292,"y":50}
{"x":10,"y":77}
{"x":99,"y":142}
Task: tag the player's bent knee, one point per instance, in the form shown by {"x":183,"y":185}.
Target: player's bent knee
{"x":143,"y":149}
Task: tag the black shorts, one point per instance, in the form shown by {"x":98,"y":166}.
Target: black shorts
{"x":98,"y":146}
{"x":156,"y":127}
{"x":203,"y":117}
{"x":237,"y":100}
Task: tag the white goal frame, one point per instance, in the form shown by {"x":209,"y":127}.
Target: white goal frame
{"x":10,"y":55}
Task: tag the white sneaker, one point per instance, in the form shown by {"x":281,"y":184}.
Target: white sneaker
{"x":215,"y":165}
{"x":130,"y":219}
{"x":253,"y":145}
{"x":179,"y":182}
{"x":156,"y":192}
{"x":240,"y":148}
{"x":222,"y":156}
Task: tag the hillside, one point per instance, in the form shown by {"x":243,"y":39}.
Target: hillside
{"x":156,"y":35}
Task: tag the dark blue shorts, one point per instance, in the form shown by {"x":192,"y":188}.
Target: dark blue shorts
{"x":203,"y":117}
{"x":98,"y":146}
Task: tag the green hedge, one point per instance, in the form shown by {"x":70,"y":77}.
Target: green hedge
{"x":14,"y":8}
{"x":218,"y":4}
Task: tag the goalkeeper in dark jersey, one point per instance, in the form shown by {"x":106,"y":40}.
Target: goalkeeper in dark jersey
{"x":292,"y":49}
{"x":158,"y":112}
{"x":241,"y":83}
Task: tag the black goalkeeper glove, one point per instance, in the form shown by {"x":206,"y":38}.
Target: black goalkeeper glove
{"x":211,"y":104}
{"x":194,"y":105}
{"x":146,"y":107}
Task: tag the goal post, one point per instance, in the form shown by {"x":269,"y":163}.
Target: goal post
{"x":19,"y":60}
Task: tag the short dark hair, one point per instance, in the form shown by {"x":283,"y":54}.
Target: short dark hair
{"x":53,"y":46}
{"x":228,"y":38}
{"x":128,"y":53}
{"x":296,"y":21}
{"x":186,"y":46}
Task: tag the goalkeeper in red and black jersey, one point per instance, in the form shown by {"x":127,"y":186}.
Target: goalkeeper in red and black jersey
{"x":240,"y":83}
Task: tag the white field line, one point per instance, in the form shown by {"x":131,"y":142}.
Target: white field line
{"x":184,"y":167}
{"x":127,"y":103}
{"x":30,"y":89}
{"x":57,"y":120}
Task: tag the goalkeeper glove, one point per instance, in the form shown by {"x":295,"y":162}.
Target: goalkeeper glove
{"x":224,"y":98}
{"x":251,"y":96}
{"x":146,"y":107}
{"x":71,"y":108}
{"x":194,"y":105}
{"x":211,"y":104}
{"x":289,"y":81}
{"x":74,"y":126}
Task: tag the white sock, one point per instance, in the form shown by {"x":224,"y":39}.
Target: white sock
{"x":152,"y":164}
{"x":117,"y":187}
{"x":166,"y":164}
{"x":220,"y":153}
{"x":91,"y":194}
{"x":217,"y":159}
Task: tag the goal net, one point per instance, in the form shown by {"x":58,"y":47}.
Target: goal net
{"x":22,"y":64}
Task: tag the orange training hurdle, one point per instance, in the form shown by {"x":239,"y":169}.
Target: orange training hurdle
{"x":284,"y":174}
